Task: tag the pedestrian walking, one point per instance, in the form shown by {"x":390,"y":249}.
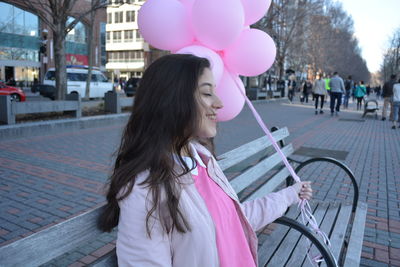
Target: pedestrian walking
{"x":327,"y":86}
{"x":396,"y":103}
{"x":307,"y":88}
{"x":359,"y":93}
{"x":387,"y":94}
{"x":337,"y":89}
{"x":320,"y":92}
{"x":291,"y":87}
{"x":348,"y":86}
{"x":167,"y":194}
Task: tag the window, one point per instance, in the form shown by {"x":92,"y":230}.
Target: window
{"x":130,"y":16}
{"x":138,"y":36}
{"x":78,"y":33}
{"x":109,"y":17}
{"x":119,"y":17}
{"x":125,"y":56}
{"x":128,"y":36}
{"x":108,"y":37}
{"x":18,"y":21}
{"x":117,"y":36}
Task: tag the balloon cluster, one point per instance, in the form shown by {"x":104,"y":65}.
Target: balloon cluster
{"x":217,"y":30}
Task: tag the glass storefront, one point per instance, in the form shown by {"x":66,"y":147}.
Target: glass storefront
{"x":76,"y":39}
{"x":18,"y":21}
{"x":19,"y":44}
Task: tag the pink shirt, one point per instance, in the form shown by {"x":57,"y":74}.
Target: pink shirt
{"x":233,"y":248}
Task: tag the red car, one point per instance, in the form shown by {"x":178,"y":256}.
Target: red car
{"x":16,"y":94}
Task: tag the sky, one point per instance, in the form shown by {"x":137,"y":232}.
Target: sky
{"x":374,"y":24}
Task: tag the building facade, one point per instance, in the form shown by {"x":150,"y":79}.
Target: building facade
{"x":26,"y":42}
{"x":124,"y":45}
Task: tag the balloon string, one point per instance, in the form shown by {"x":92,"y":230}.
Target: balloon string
{"x":305,"y":209}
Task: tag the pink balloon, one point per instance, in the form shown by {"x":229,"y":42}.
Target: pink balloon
{"x":217,"y":24}
{"x":164,"y":24}
{"x":228,"y":92}
{"x":254,"y":10}
{"x":217,"y":65}
{"x":188,"y":4}
{"x":252,"y":54}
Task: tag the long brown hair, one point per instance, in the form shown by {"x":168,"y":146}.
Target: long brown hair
{"x":164,"y":118}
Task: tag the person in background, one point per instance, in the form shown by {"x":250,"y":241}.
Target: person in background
{"x":319,"y":92}
{"x":170,"y":199}
{"x":359,"y":94}
{"x":291,"y":87}
{"x":396,"y":103}
{"x":327,"y":87}
{"x":348,"y":86}
{"x":337,"y":89}
{"x":307,"y":89}
{"x":368,"y":87}
{"x":387,"y":94}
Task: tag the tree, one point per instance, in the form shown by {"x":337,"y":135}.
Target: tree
{"x":55,"y":14}
{"x":391,"y":58}
{"x":313,"y":36}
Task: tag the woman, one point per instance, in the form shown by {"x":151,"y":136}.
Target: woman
{"x":360,"y":93}
{"x":167,"y":194}
{"x":319,"y":92}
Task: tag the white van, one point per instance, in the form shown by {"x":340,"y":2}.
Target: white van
{"x":76,"y":82}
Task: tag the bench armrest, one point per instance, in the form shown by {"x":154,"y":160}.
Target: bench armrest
{"x":340,"y":165}
{"x":323,"y":249}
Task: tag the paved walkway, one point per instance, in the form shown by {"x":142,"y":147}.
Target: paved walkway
{"x":48,"y":178}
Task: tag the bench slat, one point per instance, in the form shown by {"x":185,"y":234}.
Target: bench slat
{"x":300,"y":250}
{"x":254,"y":173}
{"x":241,"y":153}
{"x":339,"y":231}
{"x":52,"y":242}
{"x":326,"y":224}
{"x":270,"y":185}
{"x":353,"y":255}
{"x":266,"y":250}
{"x":289,"y":244}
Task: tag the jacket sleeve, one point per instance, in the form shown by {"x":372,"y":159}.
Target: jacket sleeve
{"x":265,"y":210}
{"x":134,"y":247}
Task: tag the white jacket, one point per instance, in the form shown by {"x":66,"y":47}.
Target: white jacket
{"x":396,"y":92}
{"x":195,"y":248}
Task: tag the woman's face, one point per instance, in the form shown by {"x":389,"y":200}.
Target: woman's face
{"x":208,"y":104}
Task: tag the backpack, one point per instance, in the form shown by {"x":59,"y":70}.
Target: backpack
{"x":347,"y":85}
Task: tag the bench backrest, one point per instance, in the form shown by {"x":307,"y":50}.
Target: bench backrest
{"x":56,"y":240}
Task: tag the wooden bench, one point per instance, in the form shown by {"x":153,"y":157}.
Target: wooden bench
{"x":260,"y":171}
{"x":9,"y":109}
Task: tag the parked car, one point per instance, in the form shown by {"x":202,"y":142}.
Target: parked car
{"x":44,"y":90}
{"x":15,"y":93}
{"x":131,"y":86}
{"x":76,"y":82}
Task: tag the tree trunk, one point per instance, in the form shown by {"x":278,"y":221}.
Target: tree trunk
{"x":60,"y":62}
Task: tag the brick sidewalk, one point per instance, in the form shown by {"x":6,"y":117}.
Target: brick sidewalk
{"x":52,"y":177}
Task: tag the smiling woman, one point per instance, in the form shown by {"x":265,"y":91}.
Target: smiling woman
{"x":170,"y":199}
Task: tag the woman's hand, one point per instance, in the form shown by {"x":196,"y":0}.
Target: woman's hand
{"x":304,"y":190}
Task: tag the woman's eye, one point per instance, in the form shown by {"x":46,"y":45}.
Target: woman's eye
{"x":207,"y":94}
